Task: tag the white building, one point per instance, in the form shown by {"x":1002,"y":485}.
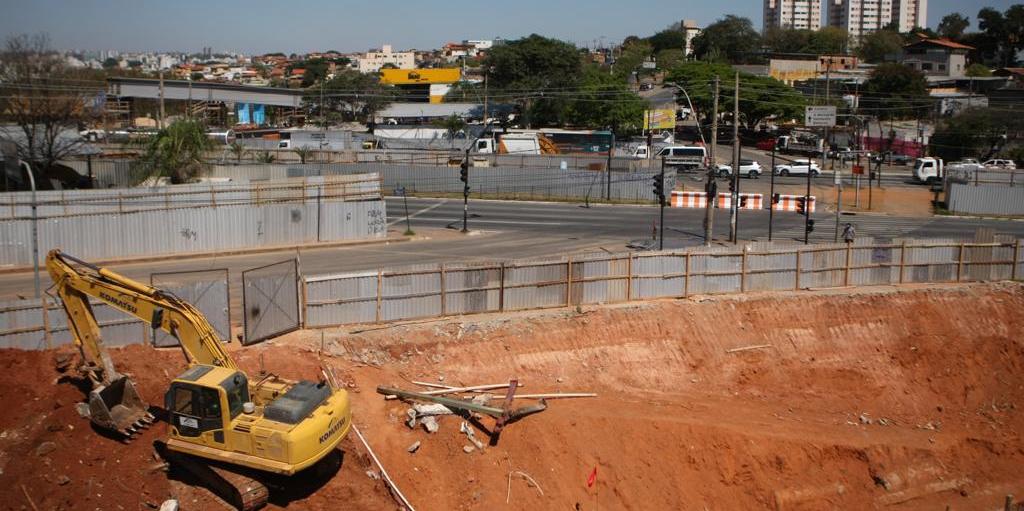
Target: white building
{"x":910,"y":14}
{"x":372,"y":61}
{"x":860,"y":17}
{"x":690,"y":30}
{"x":798,"y":14}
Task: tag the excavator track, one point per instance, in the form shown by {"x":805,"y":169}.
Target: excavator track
{"x":239,"y":490}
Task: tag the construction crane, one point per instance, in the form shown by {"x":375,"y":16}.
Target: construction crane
{"x":223,"y":427}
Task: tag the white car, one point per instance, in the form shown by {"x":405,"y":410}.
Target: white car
{"x":748,"y":168}
{"x":1000,"y":164}
{"x":798,"y":167}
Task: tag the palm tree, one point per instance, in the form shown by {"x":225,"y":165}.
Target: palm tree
{"x":303,"y":152}
{"x":238,"y":150}
{"x":452,"y":125}
{"x":177,"y":150}
{"x":265,"y":157}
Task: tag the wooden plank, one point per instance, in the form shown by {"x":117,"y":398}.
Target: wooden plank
{"x":629,"y":276}
{"x":444,"y":306}
{"x":903,"y":258}
{"x":849,"y":257}
{"x":380,"y":291}
{"x":686,"y":282}
{"x":743,"y":272}
{"x":960,"y":263}
{"x":797,"y":285}
{"x":501,"y":289}
{"x":568,"y":282}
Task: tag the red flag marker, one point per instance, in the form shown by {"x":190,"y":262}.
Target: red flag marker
{"x":592,"y":478}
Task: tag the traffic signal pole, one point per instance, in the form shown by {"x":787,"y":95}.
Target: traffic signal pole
{"x":734,"y":220}
{"x":807,"y":203}
{"x":464,"y":176}
{"x":661,"y":206}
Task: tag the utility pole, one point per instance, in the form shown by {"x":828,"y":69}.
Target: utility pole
{"x":734,"y":211}
{"x":771,"y":192}
{"x":160,"y":121}
{"x":711,"y":187}
{"x":485,"y":102}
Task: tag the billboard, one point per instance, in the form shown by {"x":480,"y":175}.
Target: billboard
{"x":660,"y":119}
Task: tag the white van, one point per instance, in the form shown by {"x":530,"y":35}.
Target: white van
{"x":684,"y":157}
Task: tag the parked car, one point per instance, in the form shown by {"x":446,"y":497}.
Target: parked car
{"x":797,"y":167}
{"x":896,"y":159}
{"x":748,"y":168}
{"x":1000,"y":164}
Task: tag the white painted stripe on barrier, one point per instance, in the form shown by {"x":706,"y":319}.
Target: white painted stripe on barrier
{"x":699,"y":200}
{"x":789,"y":203}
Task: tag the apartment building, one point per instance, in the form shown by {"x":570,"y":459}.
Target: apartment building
{"x":799,"y":14}
{"x":861,"y":17}
{"x":372,"y":61}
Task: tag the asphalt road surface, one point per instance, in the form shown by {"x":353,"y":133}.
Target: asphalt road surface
{"x":515,"y":230}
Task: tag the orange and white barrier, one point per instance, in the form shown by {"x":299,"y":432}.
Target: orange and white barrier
{"x":699,"y":200}
{"x":789,"y":203}
{"x":688,"y":200}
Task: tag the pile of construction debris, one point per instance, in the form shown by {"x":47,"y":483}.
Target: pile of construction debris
{"x":441,"y":400}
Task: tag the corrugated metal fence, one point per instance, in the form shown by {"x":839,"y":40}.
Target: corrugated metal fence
{"x":985,"y":199}
{"x":439,"y":290}
{"x":107,"y":224}
{"x":490,"y":182}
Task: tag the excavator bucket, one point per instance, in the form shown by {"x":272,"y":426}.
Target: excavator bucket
{"x":117,"y":407}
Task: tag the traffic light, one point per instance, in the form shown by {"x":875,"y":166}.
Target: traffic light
{"x":776,"y":198}
{"x":743,"y":201}
{"x":464,"y":171}
{"x":801,"y":205}
{"x":810,"y":225}
{"x":659,"y":187}
{"x":732,"y":186}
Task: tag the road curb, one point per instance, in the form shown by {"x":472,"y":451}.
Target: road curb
{"x":228,"y":253}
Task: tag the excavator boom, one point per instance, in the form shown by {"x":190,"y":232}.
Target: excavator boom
{"x":114,"y":403}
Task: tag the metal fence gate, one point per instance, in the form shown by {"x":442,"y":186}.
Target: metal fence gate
{"x":207,"y":290}
{"x":270,"y":300}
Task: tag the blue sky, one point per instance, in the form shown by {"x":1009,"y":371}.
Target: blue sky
{"x":300,"y":26}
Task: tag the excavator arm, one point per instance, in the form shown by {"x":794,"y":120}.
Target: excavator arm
{"x":114,"y":403}
{"x":76,"y":280}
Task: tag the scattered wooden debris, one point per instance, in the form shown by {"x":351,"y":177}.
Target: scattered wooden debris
{"x":748,"y":348}
{"x":383,"y":473}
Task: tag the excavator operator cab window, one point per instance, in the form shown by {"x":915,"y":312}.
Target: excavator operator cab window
{"x":194,"y":409}
{"x":236,"y":387}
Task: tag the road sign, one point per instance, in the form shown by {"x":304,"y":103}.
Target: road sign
{"x":858,"y":170}
{"x":399,"y":191}
{"x":820,"y":116}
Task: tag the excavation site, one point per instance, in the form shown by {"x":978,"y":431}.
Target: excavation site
{"x":872,"y":398}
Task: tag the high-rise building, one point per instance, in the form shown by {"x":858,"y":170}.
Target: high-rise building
{"x":910,"y":14}
{"x":860,"y":17}
{"x":800,"y":14}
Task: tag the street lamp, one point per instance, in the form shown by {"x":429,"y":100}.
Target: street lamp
{"x":35,"y":228}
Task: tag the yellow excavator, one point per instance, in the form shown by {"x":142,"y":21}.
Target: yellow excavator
{"x":223,"y":426}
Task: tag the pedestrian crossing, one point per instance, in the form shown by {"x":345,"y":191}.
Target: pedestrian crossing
{"x":876,"y":226}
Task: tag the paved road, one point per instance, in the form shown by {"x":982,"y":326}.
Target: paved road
{"x":510,"y":230}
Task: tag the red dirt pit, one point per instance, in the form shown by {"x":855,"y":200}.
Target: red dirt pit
{"x":873,"y":399}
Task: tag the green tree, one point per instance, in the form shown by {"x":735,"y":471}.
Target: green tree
{"x":451,"y":125}
{"x":953,"y":25}
{"x":605,"y":102}
{"x":195,"y":76}
{"x":238,"y":150}
{"x":731,"y":39}
{"x":631,"y":57}
{"x":895,"y":91}
{"x":177,"y":151}
{"x":349,"y":96}
{"x":669,"y":58}
{"x":535,"y":72}
{"x":110,"y":63}
{"x":1003,"y":35}
{"x":880,"y":45}
{"x":669,"y":39}
{"x":973,"y":132}
{"x":760,"y":97}
{"x":303,"y":153}
{"x":978,"y":70}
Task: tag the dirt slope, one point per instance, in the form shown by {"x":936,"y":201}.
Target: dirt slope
{"x":869,"y":400}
